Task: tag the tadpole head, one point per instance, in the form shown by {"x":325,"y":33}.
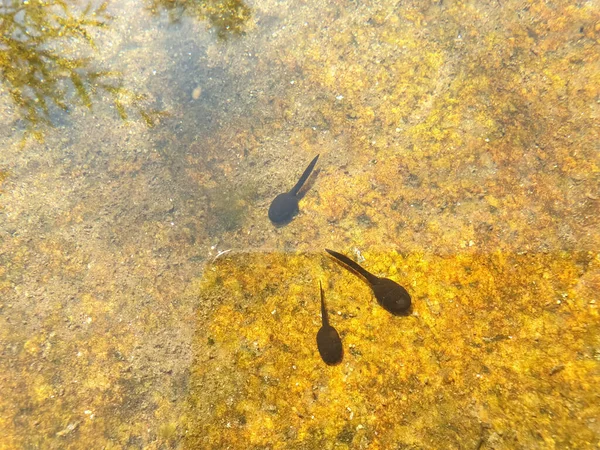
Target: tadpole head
{"x":392,"y":297}
{"x":283,"y":208}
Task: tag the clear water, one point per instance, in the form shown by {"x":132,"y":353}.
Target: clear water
{"x":146,"y":301}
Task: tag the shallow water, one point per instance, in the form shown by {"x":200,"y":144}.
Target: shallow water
{"x":146,"y":301}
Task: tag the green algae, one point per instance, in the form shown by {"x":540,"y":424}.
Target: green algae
{"x":40,"y":67}
{"x":227,"y":17}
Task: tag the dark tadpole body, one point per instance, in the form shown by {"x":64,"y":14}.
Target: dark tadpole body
{"x":328,"y":339}
{"x":389,"y":294}
{"x":285,"y":205}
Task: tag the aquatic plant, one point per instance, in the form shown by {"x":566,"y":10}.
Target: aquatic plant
{"x":227,"y":17}
{"x":38,"y":66}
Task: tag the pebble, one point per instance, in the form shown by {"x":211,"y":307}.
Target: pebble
{"x":196,"y":93}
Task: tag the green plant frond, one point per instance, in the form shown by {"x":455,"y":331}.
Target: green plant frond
{"x":100,"y":74}
{"x":38,"y":63}
{"x":101,"y":10}
{"x":63,"y":5}
{"x":87,"y":9}
{"x":62,"y":105}
{"x":80,"y":89}
{"x":120,"y":110}
{"x":148,"y":119}
{"x":138,"y":97}
{"x":42,"y":103}
{"x":112,"y":89}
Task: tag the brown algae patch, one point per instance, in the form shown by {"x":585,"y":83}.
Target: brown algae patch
{"x":499,"y":345}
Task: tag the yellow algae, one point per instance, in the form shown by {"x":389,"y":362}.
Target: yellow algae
{"x":32,"y":345}
{"x":476,"y":342}
{"x":42,"y":392}
{"x":167,"y":431}
{"x":98,"y":381}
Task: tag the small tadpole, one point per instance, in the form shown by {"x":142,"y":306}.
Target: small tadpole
{"x":328,"y":339}
{"x":285,"y":206}
{"x":389,"y":294}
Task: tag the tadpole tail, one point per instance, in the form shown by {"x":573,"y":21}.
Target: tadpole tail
{"x":353,"y":265}
{"x":304,"y":176}
{"x":324,"y":318}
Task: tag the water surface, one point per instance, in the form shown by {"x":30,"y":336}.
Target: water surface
{"x":146,"y":301}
